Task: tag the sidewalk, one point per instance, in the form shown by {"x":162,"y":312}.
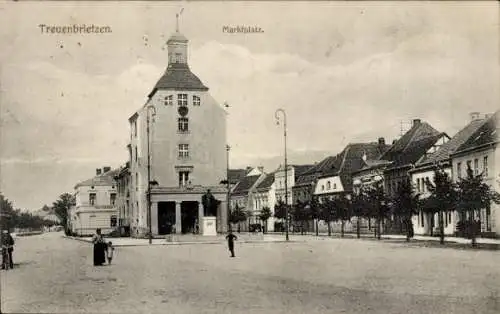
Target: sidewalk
{"x":447,"y":239}
{"x":190,"y":239}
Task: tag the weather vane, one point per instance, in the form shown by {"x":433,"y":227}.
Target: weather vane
{"x":177,"y":19}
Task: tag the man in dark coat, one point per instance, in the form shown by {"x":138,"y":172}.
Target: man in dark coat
{"x":230,"y":242}
{"x":8,"y":246}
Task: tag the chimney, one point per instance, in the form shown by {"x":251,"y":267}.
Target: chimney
{"x":105,"y":169}
{"x":381,"y":141}
{"x":394,"y":142}
{"x":416,"y":122}
{"x":98,"y":172}
{"x":475,"y":116}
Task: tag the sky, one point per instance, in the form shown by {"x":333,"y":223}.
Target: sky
{"x":344,"y":72}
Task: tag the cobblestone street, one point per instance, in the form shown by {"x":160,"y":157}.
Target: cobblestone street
{"x":54,"y":274}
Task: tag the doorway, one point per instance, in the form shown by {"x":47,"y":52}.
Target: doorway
{"x":189,"y":216}
{"x":166,"y":217}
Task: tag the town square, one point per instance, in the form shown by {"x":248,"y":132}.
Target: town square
{"x":265,"y":157}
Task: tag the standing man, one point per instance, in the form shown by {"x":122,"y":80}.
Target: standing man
{"x":8,"y":245}
{"x":230,"y":242}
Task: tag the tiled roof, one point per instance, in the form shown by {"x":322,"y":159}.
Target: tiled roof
{"x":352,"y":160}
{"x":104,"y":179}
{"x":178,"y":76}
{"x":444,"y":152}
{"x":236,"y":175}
{"x":412,"y":145}
{"x":328,"y":164}
{"x":487,"y":133}
{"x":245,"y":184}
{"x":300,"y":169}
{"x":267,"y":182}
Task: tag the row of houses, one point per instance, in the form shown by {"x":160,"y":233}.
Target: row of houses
{"x":414,"y":156}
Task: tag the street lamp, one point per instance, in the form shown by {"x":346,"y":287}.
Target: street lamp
{"x":149,"y":109}
{"x":228,"y":148}
{"x":277,"y":116}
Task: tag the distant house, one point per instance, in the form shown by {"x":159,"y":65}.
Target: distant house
{"x":293,"y":173}
{"x":95,"y":204}
{"x":242,"y":195}
{"x":305,"y":183}
{"x":265,"y":196}
{"x":481,"y":153}
{"x":439,"y":157}
{"x":123,"y":185}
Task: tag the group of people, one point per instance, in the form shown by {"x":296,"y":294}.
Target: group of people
{"x":102,"y":250}
{"x":7,"y":249}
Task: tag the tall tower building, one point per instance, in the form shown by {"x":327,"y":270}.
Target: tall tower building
{"x":187,"y":151}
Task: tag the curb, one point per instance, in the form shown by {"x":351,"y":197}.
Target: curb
{"x":186,"y":243}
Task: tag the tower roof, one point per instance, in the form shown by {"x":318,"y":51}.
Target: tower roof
{"x":178,"y":76}
{"x":177,"y":37}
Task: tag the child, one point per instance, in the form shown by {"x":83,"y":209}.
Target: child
{"x":109,"y":251}
{"x":230,"y":242}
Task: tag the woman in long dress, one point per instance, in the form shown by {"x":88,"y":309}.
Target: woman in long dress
{"x":99,"y":248}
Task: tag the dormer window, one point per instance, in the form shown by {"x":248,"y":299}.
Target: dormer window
{"x":182,"y":99}
{"x":328,"y":185}
{"x":169,"y":100}
{"x":196,"y":100}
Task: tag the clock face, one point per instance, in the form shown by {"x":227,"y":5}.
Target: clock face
{"x":183,"y":111}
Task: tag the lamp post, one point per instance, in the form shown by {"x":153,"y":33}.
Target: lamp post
{"x":149,"y":109}
{"x":228,"y":148}
{"x":277,"y":116}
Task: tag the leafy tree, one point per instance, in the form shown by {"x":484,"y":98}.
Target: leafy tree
{"x":473,"y":196}
{"x":406,"y":204}
{"x":62,"y":206}
{"x":8,"y":214}
{"x":342,"y":212}
{"x":314,"y":212}
{"x":442,"y":199}
{"x":359,"y":205}
{"x":378,"y":205}
{"x":237,"y":215}
{"x":265,"y":214}
{"x":327,"y":213}
{"x":300,"y":213}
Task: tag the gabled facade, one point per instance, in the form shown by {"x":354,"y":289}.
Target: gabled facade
{"x":243,"y":196}
{"x":265,"y":196}
{"x":123,"y":186}
{"x":481,"y":153}
{"x":95,"y":205}
{"x":186,"y":153}
{"x":293,"y":172}
{"x":438,"y":156}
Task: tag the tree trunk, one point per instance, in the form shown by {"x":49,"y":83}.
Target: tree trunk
{"x":379,"y":229}
{"x":342,"y":228}
{"x":369,"y":223}
{"x":441,"y":227}
{"x":473,"y":229}
{"x":329,"y":229}
{"x":317,"y":227}
{"x":358,"y":228}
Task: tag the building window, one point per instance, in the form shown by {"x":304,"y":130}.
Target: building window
{"x":136,"y":154}
{"x":469,"y":164}
{"x":322,"y":188}
{"x":476,"y":166}
{"x":328,"y":186}
{"x":183,"y":178}
{"x":113,"y":221}
{"x":92,"y":199}
{"x":485,"y":166}
{"x":136,"y":181}
{"x":196,"y":100}
{"x":182,"y":99}
{"x":422,"y":219}
{"x":183,"y":124}
{"x":112,"y":199}
{"x":459,"y":170}
{"x":135,"y":128}
{"x":418,"y":184}
{"x":183,"y":150}
{"x":169,"y":100}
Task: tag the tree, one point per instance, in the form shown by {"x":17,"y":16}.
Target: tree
{"x":378,"y":205}
{"x":314,"y":212}
{"x":342,"y":212}
{"x":359,"y":205}
{"x":300,"y":212}
{"x":264,"y":215}
{"x":474,"y":195}
{"x":8,"y":214}
{"x":406,"y":204}
{"x":62,"y":206}
{"x":237,"y":215}
{"x":327,"y":213}
{"x":442,"y":199}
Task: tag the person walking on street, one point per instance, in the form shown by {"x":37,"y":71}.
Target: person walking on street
{"x":7,"y":248}
{"x":230,"y":242}
{"x":99,"y":248}
{"x":109,"y":252}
